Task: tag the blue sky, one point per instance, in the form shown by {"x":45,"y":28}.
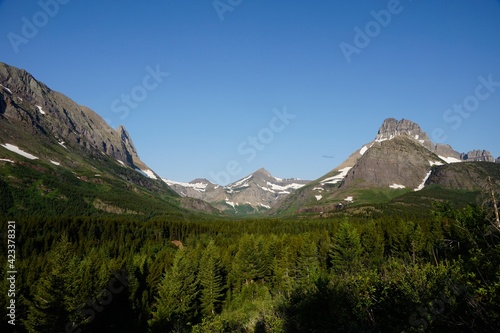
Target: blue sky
{"x":234,"y":68}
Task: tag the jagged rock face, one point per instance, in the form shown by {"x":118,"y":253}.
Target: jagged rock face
{"x":255,"y":193}
{"x":498,"y":160}
{"x":31,"y":104}
{"x":399,"y":161}
{"x":478,"y":156}
{"x":392,"y":128}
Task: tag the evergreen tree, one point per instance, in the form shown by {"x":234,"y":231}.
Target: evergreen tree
{"x":211,"y":280}
{"x":346,"y":249}
{"x":307,"y":265}
{"x":52,"y":305}
{"x":176,"y":304}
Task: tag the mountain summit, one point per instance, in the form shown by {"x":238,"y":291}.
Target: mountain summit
{"x":255,"y":193}
{"x":61,"y":158}
{"x":53,"y":117}
{"x":400,"y":158}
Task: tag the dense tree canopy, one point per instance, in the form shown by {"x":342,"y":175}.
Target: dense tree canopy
{"x":340,"y":274}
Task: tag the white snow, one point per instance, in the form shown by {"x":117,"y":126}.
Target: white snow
{"x":416,"y":136}
{"x":6,"y":160}
{"x":265,"y":206}
{"x":278,"y":179}
{"x":450,"y":159}
{"x":54,"y":162}
{"x":349,"y":199}
{"x":276,"y":187}
{"x":421,"y":186}
{"x":62,"y":144}
{"x":241,"y":183}
{"x":121,"y":162}
{"x":200,"y":187}
{"x":147,"y":173}
{"x":383,"y":138}
{"x":363,"y":150}
{"x":337,"y":178}
{"x":266,"y":189}
{"x":433,"y":163}
{"x":396,"y":186}
{"x":19,"y":151}
{"x":230,"y":203}
{"x":40,"y":109}
{"x":6,"y":89}
{"x":318,"y":189}
{"x":150,"y":174}
{"x":421,"y":141}
{"x":318,"y":197}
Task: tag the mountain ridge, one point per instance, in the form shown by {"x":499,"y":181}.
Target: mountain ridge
{"x":255,"y":193}
{"x":401,"y":158}
{"x":54,"y":151}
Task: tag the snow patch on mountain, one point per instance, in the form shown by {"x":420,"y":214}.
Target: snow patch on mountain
{"x":363,"y":150}
{"x":433,"y":163}
{"x":396,"y":186}
{"x":422,"y":185}
{"x":40,"y":109}
{"x":10,"y":91}
{"x":199,"y":186}
{"x":276,"y":187}
{"x":450,"y":159}
{"x":230,"y":203}
{"x":147,"y":173}
{"x":337,"y":178}
{"x":19,"y":151}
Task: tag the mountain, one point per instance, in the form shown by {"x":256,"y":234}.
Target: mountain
{"x":63,"y":157}
{"x":256,"y":193}
{"x":399,"y":160}
{"x":51,"y":116}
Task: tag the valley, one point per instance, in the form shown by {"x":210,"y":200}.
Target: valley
{"x":401,"y":236}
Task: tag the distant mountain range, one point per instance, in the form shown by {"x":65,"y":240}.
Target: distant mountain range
{"x":55,"y":152}
{"x":256,"y":193}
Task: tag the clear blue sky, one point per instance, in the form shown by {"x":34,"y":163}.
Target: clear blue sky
{"x":227,"y":76}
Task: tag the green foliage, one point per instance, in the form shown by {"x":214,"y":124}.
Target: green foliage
{"x":362,"y":274}
{"x":176,"y":304}
{"x":211,"y":280}
{"x":346,"y":249}
{"x":53,"y":296}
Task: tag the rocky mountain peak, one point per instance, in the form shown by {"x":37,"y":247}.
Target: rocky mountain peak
{"x":262,"y":173}
{"x":392,"y":127}
{"x":478,"y":156}
{"x":257,"y":192}
{"x":200,"y":181}
{"x":54,"y":118}
{"x":125,"y":136}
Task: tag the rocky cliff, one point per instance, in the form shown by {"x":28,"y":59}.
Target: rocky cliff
{"x":28,"y":103}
